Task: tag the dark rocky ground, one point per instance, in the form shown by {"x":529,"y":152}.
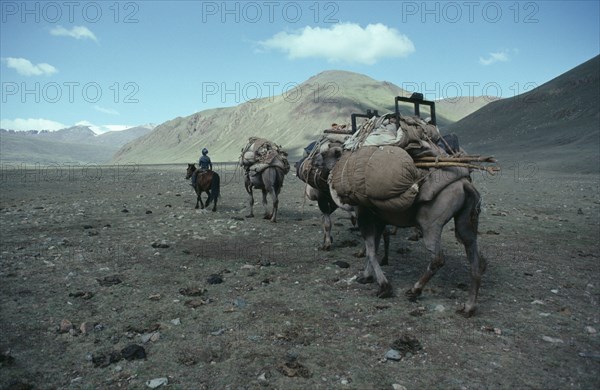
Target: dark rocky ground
{"x":118,"y":256}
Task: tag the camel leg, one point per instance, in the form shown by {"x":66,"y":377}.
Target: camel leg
{"x":251,"y":201}
{"x":275,"y":200}
{"x":371,"y":230}
{"x":432,"y":240}
{"x":386,"y":245}
{"x":465,"y":227}
{"x":265,"y":204}
{"x":327,"y":238}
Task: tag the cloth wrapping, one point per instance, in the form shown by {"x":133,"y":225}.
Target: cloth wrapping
{"x":383,"y":177}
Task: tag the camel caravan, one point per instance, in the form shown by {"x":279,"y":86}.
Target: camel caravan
{"x":392,"y":170}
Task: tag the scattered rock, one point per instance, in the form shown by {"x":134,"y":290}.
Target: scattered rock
{"x":489,"y":328}
{"x":239,"y":302}
{"x":407,"y":343}
{"x":591,"y":355}
{"x":88,"y":227}
{"x":192,"y":291}
{"x":86,"y":327}
{"x":439,"y":308}
{"x":154,"y":297}
{"x":553,"y":340}
{"x":6,"y":359}
{"x":293,"y":369}
{"x":214,"y":279}
{"x":133,"y":351}
{"x":218,"y":332}
{"x":397,"y":386}
{"x":162,"y":244}
{"x":82,"y":294}
{"x":124,"y":211}
{"x":579,"y":211}
{"x":104,"y":360}
{"x":157,"y":382}
{"x":394,"y":355}
{"x":148,"y":212}
{"x":194,"y":303}
{"x":154,"y":336}
{"x":342,"y":264}
{"x":109,"y":280}
{"x":590,"y":330}
{"x":65,"y":326}
{"x":492,"y":232}
{"x":418,"y":312}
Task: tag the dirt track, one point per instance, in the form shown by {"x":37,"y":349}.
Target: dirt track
{"x":285,"y":316}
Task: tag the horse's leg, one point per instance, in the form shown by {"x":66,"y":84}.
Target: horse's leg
{"x":371,"y":229}
{"x":214,"y":204}
{"x":198,"y":200}
{"x":465,"y":226}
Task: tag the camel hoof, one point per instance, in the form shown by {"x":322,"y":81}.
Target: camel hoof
{"x":197,"y":207}
{"x":384,"y":261}
{"x":360,"y":253}
{"x":385,"y":291}
{"x":326,"y":247}
{"x":466,"y":313}
{"x":412,"y":294}
{"x":250,"y":216}
{"x":365,"y":279}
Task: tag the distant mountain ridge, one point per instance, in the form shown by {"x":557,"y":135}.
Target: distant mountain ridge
{"x":291,"y":120}
{"x":74,"y":144}
{"x":556,"y":125}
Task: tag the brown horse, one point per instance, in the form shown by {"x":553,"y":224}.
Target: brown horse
{"x":206,"y":181}
{"x":459,"y":200}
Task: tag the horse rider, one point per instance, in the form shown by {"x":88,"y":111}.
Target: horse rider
{"x":204,"y":164}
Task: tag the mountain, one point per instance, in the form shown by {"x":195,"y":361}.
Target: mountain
{"x":77,"y":144}
{"x":291,"y":120}
{"x":555,"y":126}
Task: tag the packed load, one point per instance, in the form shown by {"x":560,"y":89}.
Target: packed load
{"x":411,"y":133}
{"x":259,"y":154}
{"x":383,"y":177}
{"x":393,"y":160}
{"x":310,"y":169}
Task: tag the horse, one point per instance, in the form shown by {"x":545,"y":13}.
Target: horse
{"x":459,"y":200}
{"x":269,"y":180}
{"x":206,"y":181}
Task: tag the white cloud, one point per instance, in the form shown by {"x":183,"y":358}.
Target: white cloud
{"x":77,"y":32}
{"x":20,"y":124}
{"x":110,"y":111}
{"x":24,"y":67}
{"x":345,"y":42}
{"x":501,"y":56}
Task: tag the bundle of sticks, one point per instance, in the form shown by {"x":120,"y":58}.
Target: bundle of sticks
{"x":458,"y":161}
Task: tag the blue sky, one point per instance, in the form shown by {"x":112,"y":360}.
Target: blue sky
{"x":119,"y":64}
